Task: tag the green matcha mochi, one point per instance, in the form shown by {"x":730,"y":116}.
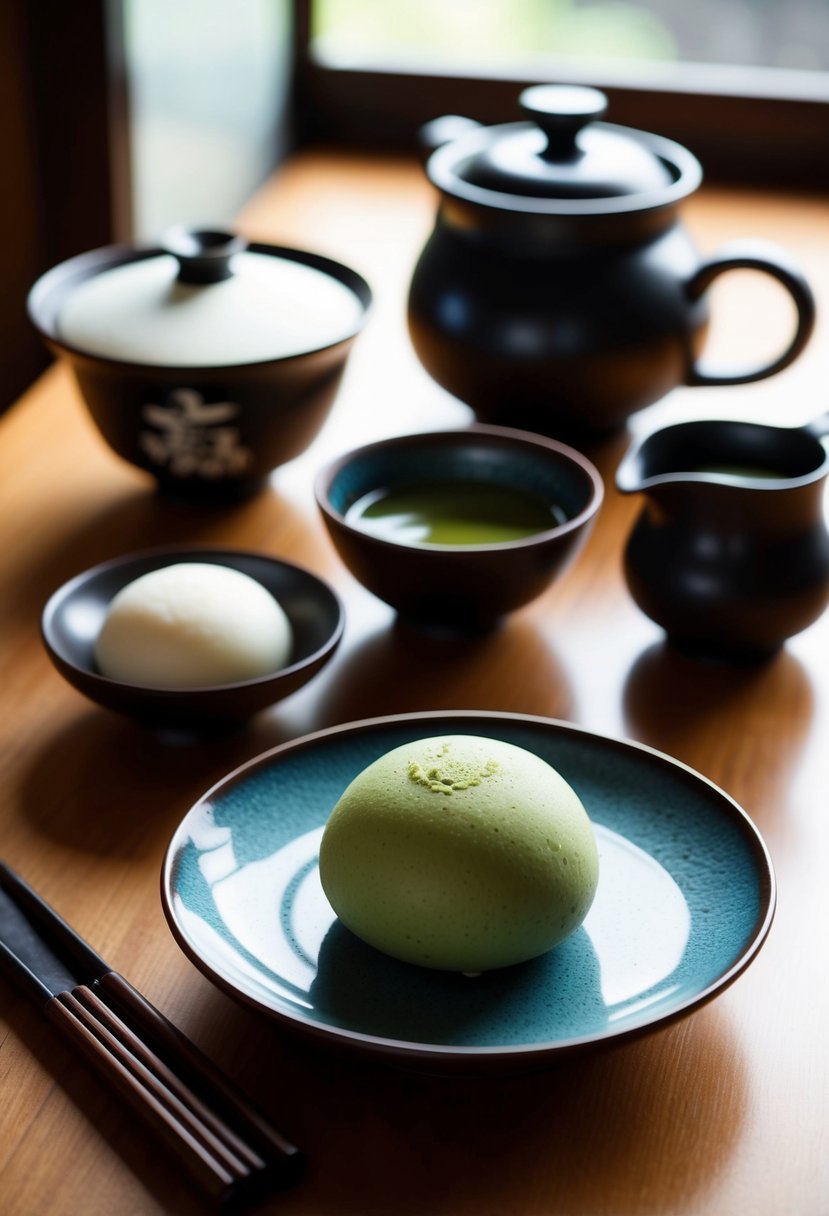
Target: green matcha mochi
{"x":460,"y":853}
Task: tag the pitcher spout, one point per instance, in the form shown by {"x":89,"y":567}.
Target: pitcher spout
{"x":739,"y":454}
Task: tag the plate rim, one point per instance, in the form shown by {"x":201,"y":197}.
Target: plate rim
{"x":438,"y":1054}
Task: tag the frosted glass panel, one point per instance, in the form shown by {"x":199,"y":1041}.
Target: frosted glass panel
{"x":208,"y":83}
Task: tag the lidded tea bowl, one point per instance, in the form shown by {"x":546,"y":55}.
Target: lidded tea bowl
{"x":206,"y":361}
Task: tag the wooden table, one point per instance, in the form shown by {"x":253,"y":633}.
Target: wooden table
{"x":724,"y":1112}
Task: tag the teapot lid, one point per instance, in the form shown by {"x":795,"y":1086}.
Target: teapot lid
{"x":206,"y":299}
{"x":562,"y":152}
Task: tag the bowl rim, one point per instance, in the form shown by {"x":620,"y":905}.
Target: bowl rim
{"x":490,"y":434}
{"x":175,"y":553}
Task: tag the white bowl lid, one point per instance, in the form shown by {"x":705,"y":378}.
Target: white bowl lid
{"x":207,"y":301}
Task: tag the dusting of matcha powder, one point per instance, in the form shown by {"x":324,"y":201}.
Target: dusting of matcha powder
{"x":446,"y":775}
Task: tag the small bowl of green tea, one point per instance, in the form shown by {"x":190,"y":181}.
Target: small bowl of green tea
{"x":457,"y":529}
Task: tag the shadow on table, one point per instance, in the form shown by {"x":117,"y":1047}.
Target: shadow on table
{"x":642,"y":1128}
{"x":400,"y":670}
{"x":104,"y":784}
{"x":743,"y":726}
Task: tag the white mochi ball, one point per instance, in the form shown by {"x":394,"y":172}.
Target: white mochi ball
{"x":192,"y":625}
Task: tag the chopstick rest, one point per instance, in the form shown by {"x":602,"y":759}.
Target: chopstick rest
{"x":229,"y":1149}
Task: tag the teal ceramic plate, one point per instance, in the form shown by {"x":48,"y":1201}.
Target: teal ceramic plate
{"x":685,"y":899}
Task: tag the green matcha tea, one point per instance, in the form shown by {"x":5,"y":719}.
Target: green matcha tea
{"x":453,"y":513}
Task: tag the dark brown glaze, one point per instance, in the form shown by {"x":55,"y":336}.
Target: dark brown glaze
{"x":468,"y":588}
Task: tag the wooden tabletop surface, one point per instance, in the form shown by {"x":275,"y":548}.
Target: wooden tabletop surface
{"x":724,"y":1112}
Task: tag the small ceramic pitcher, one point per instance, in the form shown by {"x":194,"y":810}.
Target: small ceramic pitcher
{"x":730,"y":554}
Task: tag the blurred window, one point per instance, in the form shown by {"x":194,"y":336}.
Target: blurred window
{"x":208,"y":86}
{"x":743,"y":83}
{"x":515,"y":35}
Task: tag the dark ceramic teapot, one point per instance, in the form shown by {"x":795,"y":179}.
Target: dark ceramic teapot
{"x":558,"y":291}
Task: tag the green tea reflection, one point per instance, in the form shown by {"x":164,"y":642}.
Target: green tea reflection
{"x":453,"y":513}
{"x":748,"y":472}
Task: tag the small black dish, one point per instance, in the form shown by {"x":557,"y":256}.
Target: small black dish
{"x":74,"y":614}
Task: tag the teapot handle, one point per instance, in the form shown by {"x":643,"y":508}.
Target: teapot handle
{"x":754,"y":255}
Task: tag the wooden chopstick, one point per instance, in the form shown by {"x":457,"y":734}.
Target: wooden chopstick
{"x":215,"y":1173}
{"x":206,"y":1123}
{"x":209,"y":1129}
{"x":199,"y":1069}
{"x":229,"y":1148}
{"x":218,"y":1158}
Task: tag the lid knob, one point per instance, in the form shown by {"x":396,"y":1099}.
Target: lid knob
{"x":561,"y":111}
{"x":203,"y":255}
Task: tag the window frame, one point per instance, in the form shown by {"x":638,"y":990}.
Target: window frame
{"x":750,"y":126}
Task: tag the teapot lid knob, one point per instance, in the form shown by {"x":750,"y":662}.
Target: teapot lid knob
{"x":561,"y":111}
{"x":203,"y":255}
{"x":559,"y":155}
